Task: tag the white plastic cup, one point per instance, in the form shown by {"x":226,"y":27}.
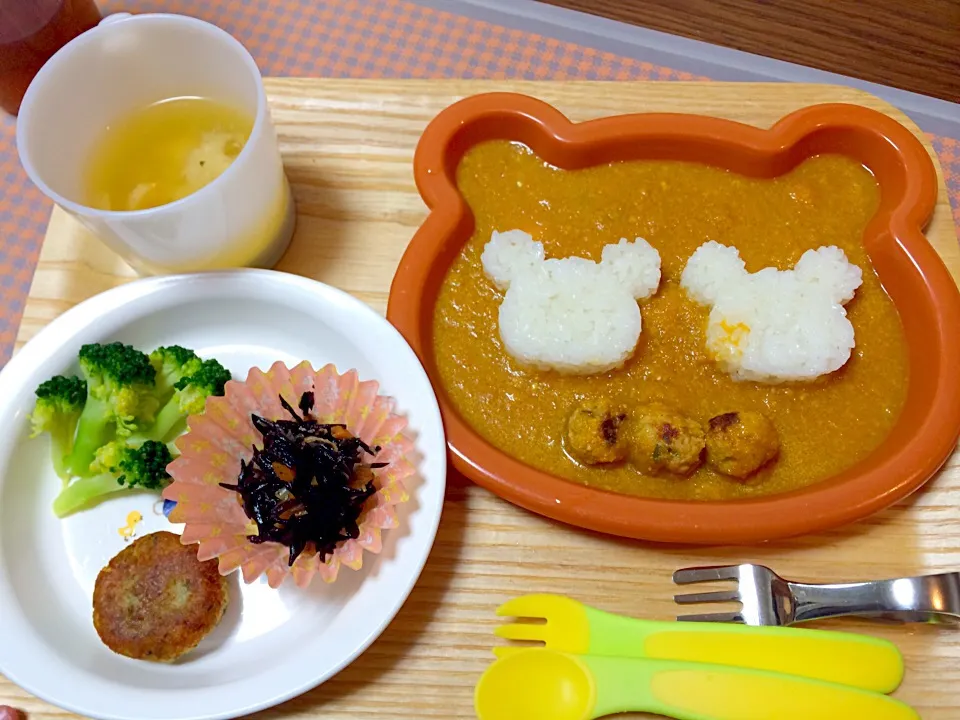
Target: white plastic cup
{"x":245,"y":217}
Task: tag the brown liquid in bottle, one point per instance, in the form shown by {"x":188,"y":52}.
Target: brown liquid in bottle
{"x":31,"y":31}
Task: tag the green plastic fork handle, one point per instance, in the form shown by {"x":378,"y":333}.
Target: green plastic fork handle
{"x":691,"y":691}
{"x":859,"y":661}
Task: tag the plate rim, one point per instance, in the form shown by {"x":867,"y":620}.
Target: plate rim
{"x":62,"y":329}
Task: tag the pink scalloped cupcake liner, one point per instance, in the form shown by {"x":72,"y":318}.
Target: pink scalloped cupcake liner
{"x":217,"y":440}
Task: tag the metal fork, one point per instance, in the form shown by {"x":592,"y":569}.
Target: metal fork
{"x":769,"y":599}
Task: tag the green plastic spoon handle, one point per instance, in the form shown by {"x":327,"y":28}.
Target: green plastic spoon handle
{"x":696,"y":691}
{"x":860,"y":661}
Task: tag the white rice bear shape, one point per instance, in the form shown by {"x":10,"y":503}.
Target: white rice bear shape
{"x":571,"y":315}
{"x":775,"y":326}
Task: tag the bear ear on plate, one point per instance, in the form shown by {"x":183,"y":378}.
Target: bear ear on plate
{"x":635,"y":266}
{"x":829,"y":268}
{"x":711,"y":271}
{"x":510,"y":255}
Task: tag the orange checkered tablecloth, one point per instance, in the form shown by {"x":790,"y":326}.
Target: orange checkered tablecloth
{"x":342,"y":38}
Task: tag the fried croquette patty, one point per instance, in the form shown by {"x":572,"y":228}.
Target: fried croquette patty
{"x":156,"y":601}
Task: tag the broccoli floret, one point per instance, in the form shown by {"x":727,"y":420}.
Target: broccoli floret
{"x":190,"y":397}
{"x":172,"y":363}
{"x":120,"y":398}
{"x":118,"y":466}
{"x":59,"y":403}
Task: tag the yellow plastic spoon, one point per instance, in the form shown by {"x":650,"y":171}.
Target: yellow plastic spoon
{"x":550,"y":685}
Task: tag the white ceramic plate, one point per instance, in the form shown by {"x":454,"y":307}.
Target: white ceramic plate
{"x":272,"y":644}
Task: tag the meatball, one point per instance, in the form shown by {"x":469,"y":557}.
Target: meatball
{"x":665,"y":441}
{"x":594,"y":433}
{"x":740,"y":443}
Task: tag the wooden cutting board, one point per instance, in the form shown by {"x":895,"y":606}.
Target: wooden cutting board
{"x":348,"y":147}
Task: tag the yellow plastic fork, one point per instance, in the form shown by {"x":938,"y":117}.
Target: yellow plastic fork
{"x":571,"y":627}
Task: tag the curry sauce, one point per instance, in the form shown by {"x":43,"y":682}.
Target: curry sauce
{"x":824,"y":427}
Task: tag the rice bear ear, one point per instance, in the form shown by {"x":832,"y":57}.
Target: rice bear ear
{"x":633,"y":266}
{"x":711,"y":271}
{"x":829,"y":270}
{"x":510,"y":255}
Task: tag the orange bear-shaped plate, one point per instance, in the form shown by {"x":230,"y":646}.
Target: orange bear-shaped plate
{"x":911,"y":271}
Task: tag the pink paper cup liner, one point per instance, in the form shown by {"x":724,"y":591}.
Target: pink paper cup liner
{"x":217,"y":440}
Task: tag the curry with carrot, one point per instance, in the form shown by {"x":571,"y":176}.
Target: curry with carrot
{"x":824,"y":427}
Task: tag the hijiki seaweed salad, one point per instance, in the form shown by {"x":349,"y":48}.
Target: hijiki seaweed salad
{"x":307,"y":487}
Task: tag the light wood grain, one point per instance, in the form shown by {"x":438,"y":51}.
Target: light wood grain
{"x":348,"y":147}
